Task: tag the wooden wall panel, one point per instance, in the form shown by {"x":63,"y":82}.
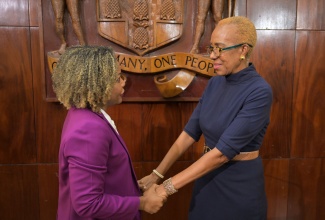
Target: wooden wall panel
{"x":50,"y":120}
{"x":49,"y":117}
{"x":48,"y":190}
{"x":241,"y":8}
{"x":276,"y":174}
{"x":276,"y":14}
{"x":306,"y":189}
{"x":34,"y":12}
{"x":162,"y":123}
{"x":17,"y":132}
{"x":127,"y":117}
{"x":19,"y":192}
{"x":14,"y":13}
{"x":309,"y":100}
{"x":310,"y":14}
{"x":274,"y":60}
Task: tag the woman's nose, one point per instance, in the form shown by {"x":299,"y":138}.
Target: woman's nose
{"x":213,"y":55}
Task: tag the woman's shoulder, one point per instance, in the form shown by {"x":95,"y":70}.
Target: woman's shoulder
{"x":82,"y":114}
{"x":85,"y":119}
{"x":215,"y":80}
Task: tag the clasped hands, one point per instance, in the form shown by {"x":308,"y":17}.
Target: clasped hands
{"x":154,"y":196}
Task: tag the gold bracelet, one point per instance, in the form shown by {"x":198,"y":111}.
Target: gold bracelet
{"x":158,"y":174}
{"x":169,"y":187}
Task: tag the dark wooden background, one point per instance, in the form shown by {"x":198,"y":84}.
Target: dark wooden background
{"x":290,"y":54}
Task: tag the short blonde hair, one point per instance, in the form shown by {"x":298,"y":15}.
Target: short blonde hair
{"x":84,"y":77}
{"x":245,"y":29}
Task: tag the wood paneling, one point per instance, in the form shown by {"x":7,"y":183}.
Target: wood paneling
{"x":275,"y":14}
{"x":17,"y":132}
{"x":162,"y":123}
{"x":274,"y":60}
{"x":19,"y":192}
{"x":127,"y":118}
{"x":306,"y":189}
{"x":14,"y":13}
{"x":34,"y":12}
{"x":276,"y":174}
{"x":48,"y":190}
{"x":241,"y":8}
{"x":309,"y":100}
{"x":50,"y":121}
{"x":49,"y":116}
{"x":310,"y":14}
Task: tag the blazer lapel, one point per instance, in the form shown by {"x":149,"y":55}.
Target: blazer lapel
{"x":122,"y":143}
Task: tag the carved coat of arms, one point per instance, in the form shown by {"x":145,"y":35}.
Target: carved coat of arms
{"x":140,"y":25}
{"x":143,"y":27}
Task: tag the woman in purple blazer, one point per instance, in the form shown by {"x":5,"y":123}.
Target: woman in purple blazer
{"x":96,"y":177}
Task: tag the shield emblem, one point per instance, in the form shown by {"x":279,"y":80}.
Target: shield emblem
{"x":140,"y":25}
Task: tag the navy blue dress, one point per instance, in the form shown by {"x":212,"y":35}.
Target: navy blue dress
{"x":232,"y":114}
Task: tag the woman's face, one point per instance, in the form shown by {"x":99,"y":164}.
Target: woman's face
{"x":118,"y":89}
{"x":228,"y":61}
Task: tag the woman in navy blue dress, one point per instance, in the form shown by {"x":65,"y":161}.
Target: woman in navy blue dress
{"x":232,"y":115}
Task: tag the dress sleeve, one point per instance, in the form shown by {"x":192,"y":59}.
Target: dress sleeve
{"x":192,"y":128}
{"x":251,"y":120}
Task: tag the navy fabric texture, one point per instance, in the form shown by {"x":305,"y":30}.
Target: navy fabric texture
{"x":233,"y":115}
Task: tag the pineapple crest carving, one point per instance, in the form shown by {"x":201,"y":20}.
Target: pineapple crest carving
{"x":112,"y":9}
{"x":141,"y":18}
{"x":140,"y":10}
{"x":167,"y":10}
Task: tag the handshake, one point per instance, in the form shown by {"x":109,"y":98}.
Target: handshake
{"x":154,"y":196}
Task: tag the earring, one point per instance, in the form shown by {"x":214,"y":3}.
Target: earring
{"x":242,"y":57}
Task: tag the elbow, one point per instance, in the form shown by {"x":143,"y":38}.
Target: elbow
{"x":219,"y":160}
{"x":216,"y":158}
{"x":222,"y":159}
{"x":86,"y":209}
{"x":84,"y":212}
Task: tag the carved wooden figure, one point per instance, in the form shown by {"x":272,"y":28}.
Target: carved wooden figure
{"x":217,"y":7}
{"x":59,"y":7}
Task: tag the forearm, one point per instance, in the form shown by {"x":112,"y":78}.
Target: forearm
{"x":170,"y":158}
{"x":202,"y":166}
{"x":183,"y":142}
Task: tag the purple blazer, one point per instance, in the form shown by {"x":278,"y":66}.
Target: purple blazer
{"x":96,"y":177}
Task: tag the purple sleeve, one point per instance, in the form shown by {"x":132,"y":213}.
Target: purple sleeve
{"x":87,"y":152}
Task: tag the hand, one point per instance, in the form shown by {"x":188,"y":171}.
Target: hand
{"x":146,"y":182}
{"x":151,"y":202}
{"x":160,"y":190}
